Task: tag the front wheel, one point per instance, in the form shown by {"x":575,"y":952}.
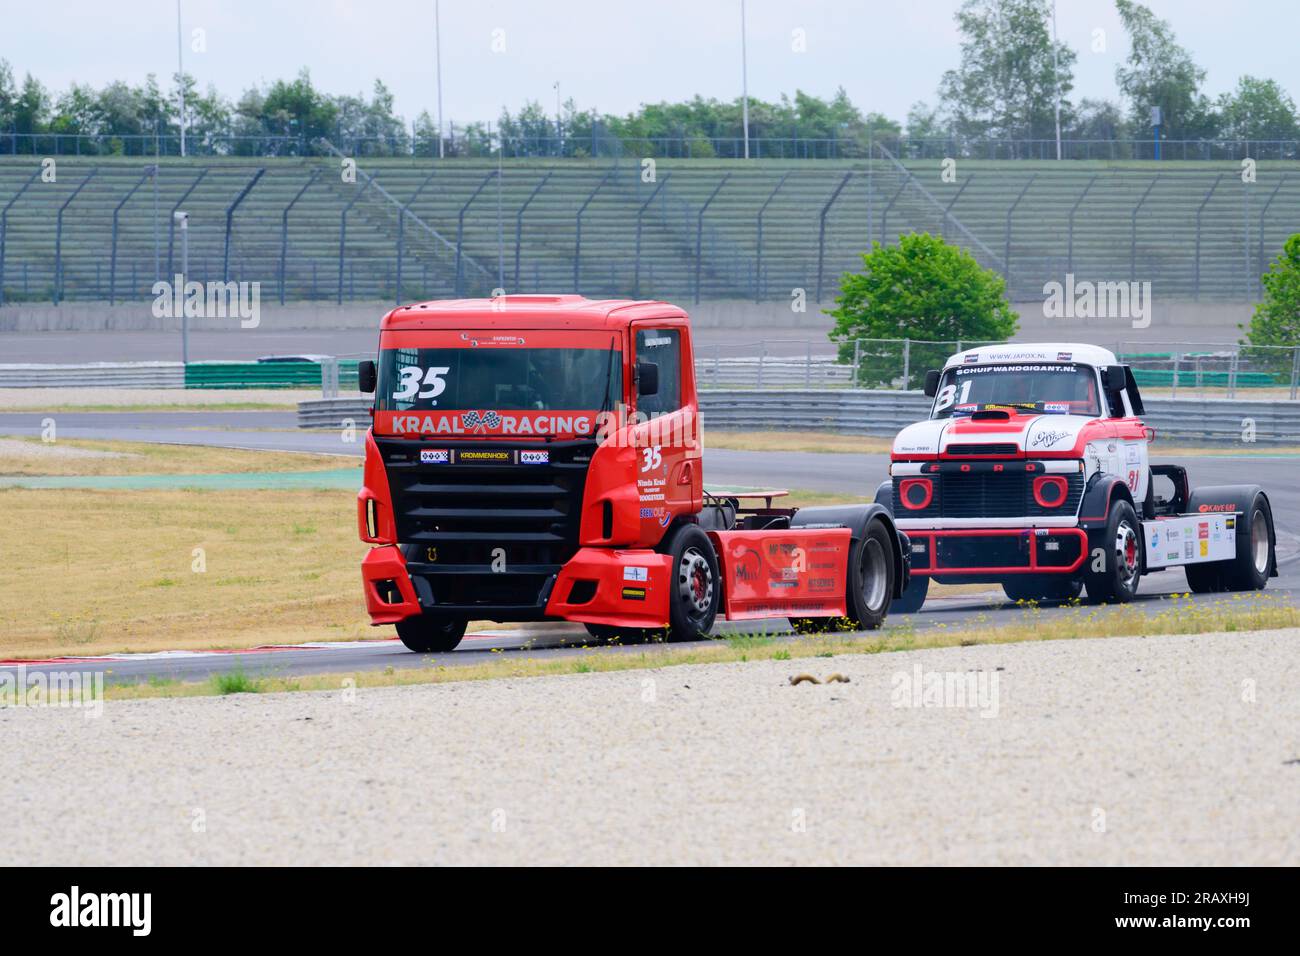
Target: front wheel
{"x":695,"y":586}
{"x":1043,"y":588}
{"x":427,"y":635}
{"x":1116,"y":580}
{"x":913,"y":595}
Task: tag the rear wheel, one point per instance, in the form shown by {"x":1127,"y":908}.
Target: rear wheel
{"x":1044,"y":588}
{"x":695,"y":587}
{"x":1121,"y":558}
{"x":1250,"y":569}
{"x":426,"y":634}
{"x":870,"y":584}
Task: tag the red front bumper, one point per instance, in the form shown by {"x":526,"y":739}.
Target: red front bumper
{"x":998,"y":551}
{"x":616,"y":587}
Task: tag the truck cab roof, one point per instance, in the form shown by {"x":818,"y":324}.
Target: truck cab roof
{"x":528,"y":312}
{"x":1033,"y":352}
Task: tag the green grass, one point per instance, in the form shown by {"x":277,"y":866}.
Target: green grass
{"x":235,"y":682}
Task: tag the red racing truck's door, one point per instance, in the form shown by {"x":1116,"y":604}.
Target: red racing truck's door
{"x":669,"y":475}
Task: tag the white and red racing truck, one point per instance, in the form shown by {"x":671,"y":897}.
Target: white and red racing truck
{"x":1033,"y":472}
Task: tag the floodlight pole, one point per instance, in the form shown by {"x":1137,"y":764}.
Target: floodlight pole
{"x":1056,"y":82}
{"x":183,"y":219}
{"x":744,"y":80}
{"x":437,"y":46}
{"x":180,"y":73}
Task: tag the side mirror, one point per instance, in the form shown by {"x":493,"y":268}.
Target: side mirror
{"x":1113,"y":378}
{"x":931,"y":383}
{"x":647,"y":378}
{"x":367,"y":376}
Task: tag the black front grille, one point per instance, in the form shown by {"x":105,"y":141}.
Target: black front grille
{"x":453,"y":515}
{"x":988,"y":448}
{"x":983,"y":492}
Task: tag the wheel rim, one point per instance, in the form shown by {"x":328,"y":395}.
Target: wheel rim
{"x":695,"y":583}
{"x":1126,"y":553}
{"x":1259,"y":540}
{"x":875,"y":574}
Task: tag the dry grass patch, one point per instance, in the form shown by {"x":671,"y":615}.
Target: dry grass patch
{"x":31,"y":456}
{"x":97,"y":572}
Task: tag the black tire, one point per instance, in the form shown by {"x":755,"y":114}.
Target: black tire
{"x":913,"y":595}
{"x":870,"y":584}
{"x":1043,"y":588}
{"x":1205,"y":578}
{"x":695,"y":587}
{"x":427,"y":634}
{"x":608,"y":634}
{"x":1121,"y":542}
{"x":1254,"y":561}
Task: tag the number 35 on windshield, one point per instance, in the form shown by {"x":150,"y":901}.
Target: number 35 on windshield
{"x":413,"y":377}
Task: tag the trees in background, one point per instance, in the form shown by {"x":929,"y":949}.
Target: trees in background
{"x":1004,"y":88}
{"x":1007,"y":83}
{"x":1160,"y":73}
{"x":922,"y":289}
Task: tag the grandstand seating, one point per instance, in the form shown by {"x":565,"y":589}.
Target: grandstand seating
{"x":1015,"y":216}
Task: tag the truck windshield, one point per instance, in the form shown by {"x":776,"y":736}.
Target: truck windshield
{"x":506,"y":379}
{"x":1063,"y":389}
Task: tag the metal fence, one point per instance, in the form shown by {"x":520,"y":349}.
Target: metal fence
{"x":881,"y":414}
{"x":483,"y":140}
{"x":404,"y":232}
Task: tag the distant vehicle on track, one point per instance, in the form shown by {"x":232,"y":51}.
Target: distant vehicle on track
{"x":1033,"y":472}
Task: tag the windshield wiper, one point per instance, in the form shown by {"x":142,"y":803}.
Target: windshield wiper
{"x":609,"y":382}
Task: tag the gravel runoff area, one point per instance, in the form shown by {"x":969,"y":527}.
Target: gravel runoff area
{"x":1168,"y":750}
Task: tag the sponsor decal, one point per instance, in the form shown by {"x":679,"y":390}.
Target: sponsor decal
{"x":748,"y":565}
{"x":662,"y":340}
{"x":1230,"y":523}
{"x":490,"y":422}
{"x":1155,"y":539}
{"x":1056,"y":408}
{"x":1047,"y":438}
{"x":634,"y":594}
{"x":534,"y":457}
{"x":1203,"y":529}
{"x":636,"y":574}
{"x":491,"y":456}
{"x":1205,"y":549}
{"x":1187,"y":550}
{"x":1064,"y":356}
{"x":1206,"y":508}
{"x":434,"y":456}
{"x":972,"y":359}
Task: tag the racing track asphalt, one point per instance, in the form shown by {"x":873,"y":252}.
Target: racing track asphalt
{"x":844,"y":473}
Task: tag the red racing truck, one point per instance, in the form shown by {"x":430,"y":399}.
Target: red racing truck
{"x":1033,"y":472}
{"x":537,"y":457}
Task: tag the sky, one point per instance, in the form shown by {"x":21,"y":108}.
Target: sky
{"x":610,"y":55}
